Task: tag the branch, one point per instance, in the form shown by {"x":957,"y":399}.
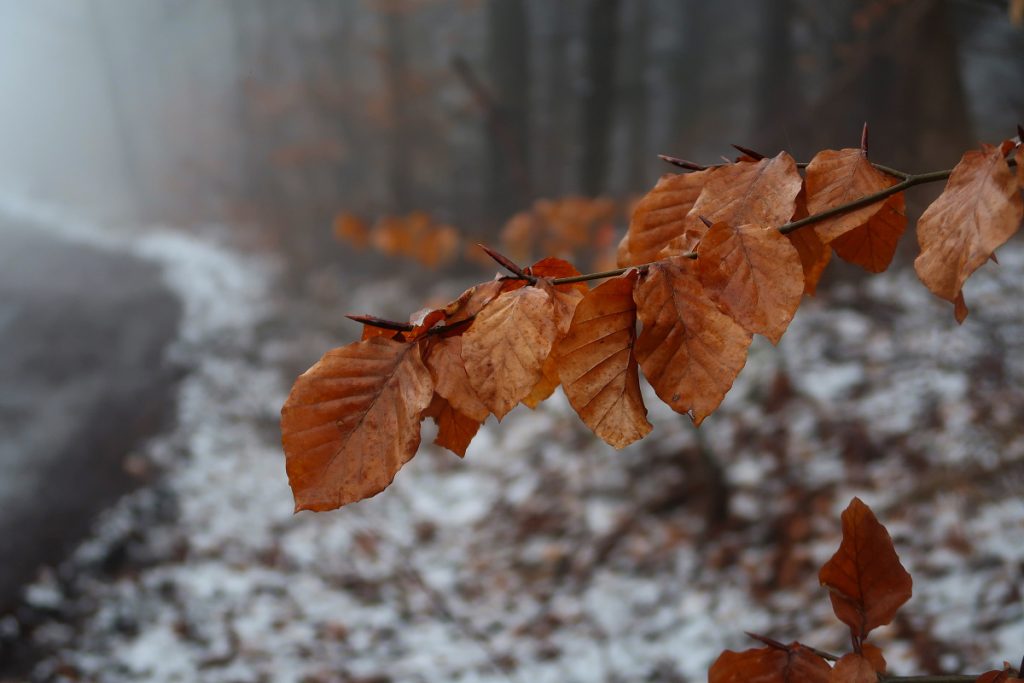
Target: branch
{"x":909,"y":180}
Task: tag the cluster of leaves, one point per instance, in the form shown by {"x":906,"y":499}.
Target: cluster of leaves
{"x":867,"y":584}
{"x":569,"y":226}
{"x":711,"y":257}
{"x":415,"y":235}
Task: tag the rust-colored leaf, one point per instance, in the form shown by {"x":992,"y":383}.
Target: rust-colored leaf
{"x":1019,"y":158}
{"x":454,"y":430}
{"x":814,"y":256}
{"x":998,"y":676}
{"x":597,"y":367}
{"x":352,"y":420}
{"x":690,"y":351}
{"x":660,"y":216}
{"x":873,"y":244}
{"x":794,"y":664}
{"x":754,"y":274}
{"x":866,"y":582}
{"x":836,"y":177}
{"x":556,"y":268}
{"x":505,"y":348}
{"x":873,"y":654}
{"x":352,"y":229}
{"x":762,"y":192}
{"x":444,"y":360}
{"x":545,"y":386}
{"x":977,"y":212}
{"x":853,"y":668}
{"x":473,"y":300}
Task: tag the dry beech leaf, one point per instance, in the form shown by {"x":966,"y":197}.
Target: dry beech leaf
{"x":873,"y":654}
{"x":660,"y":216}
{"x":762,"y":192}
{"x":754,"y":274}
{"x":505,"y":348}
{"x":690,"y":351}
{"x":545,"y":386}
{"x":866,"y":582}
{"x":444,"y":360}
{"x":1020,"y":165}
{"x":997,"y":676}
{"x":836,"y":177}
{"x":472,"y":301}
{"x":371,"y":331}
{"x":454,"y":430}
{"x":597,"y":367}
{"x":979,"y":210}
{"x":814,"y":254}
{"x":873,"y":244}
{"x":352,"y":229}
{"x":795,"y":664}
{"x":853,"y":668}
{"x":352,"y":420}
{"x":555,"y":268}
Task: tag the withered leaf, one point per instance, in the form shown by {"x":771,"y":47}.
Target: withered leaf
{"x":998,"y":676}
{"x":661,"y":216}
{"x":836,"y":177}
{"x":866,"y":582}
{"x":597,"y":367}
{"x":853,"y":668}
{"x":690,"y":351}
{"x":762,"y":192}
{"x":873,"y":654}
{"x":545,"y":386}
{"x":472,"y":301}
{"x":979,"y":210}
{"x":814,"y":256}
{"x":873,"y":244}
{"x":454,"y":430}
{"x":444,"y":360}
{"x":754,"y":274}
{"x":505,"y":348}
{"x":352,"y":420}
{"x":795,"y":664}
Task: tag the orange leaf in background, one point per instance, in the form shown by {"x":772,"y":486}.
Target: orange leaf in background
{"x":661,"y":216}
{"x":505,"y":348}
{"x":873,"y":654}
{"x":873,"y":244}
{"x":352,"y":229}
{"x":795,"y":664}
{"x":754,"y":274}
{"x":440,"y":245}
{"x":836,"y":177}
{"x":597,"y":367}
{"x":979,"y":210}
{"x":444,"y":360}
{"x":853,"y":668}
{"x":690,"y":351}
{"x":762,"y":192}
{"x":866,"y":582}
{"x":352,"y":420}
{"x":519,"y":234}
{"x":455,"y":431}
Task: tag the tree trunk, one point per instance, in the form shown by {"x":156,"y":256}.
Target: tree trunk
{"x":601,"y":39}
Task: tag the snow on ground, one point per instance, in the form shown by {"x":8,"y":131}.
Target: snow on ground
{"x":546,"y":556}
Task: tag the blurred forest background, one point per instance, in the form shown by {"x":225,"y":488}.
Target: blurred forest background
{"x":276,"y":116}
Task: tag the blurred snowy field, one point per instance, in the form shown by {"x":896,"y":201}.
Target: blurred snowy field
{"x":545,"y":555}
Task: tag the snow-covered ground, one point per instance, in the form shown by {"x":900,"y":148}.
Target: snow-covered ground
{"x":544,"y":555}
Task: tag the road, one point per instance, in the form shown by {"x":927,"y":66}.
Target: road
{"x":82,"y":381}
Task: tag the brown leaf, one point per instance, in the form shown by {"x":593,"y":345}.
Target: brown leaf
{"x":554,"y":268}
{"x":814,"y":256}
{"x":454,"y":430}
{"x":1020,"y":165}
{"x":444,"y":360}
{"x":762,"y":193}
{"x":545,"y":386}
{"x":873,"y":654}
{"x":690,"y":351}
{"x":795,"y":664}
{"x":853,"y":668}
{"x":998,"y":676}
{"x":836,"y":177}
{"x":873,"y":244}
{"x":352,"y":420}
{"x":352,"y":229}
{"x":597,"y":367}
{"x":564,"y":299}
{"x":505,"y":348}
{"x":472,"y":301}
{"x":754,"y":274}
{"x":977,"y":212}
{"x":660,"y":216}
{"x":866,"y":582}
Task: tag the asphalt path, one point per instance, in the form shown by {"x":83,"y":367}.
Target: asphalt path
{"x":82,"y":381}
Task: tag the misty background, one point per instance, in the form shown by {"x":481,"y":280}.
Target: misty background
{"x":171,"y":177}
